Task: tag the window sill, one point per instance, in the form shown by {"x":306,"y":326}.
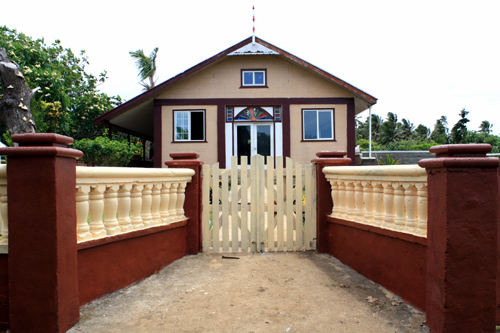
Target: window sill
{"x":325,"y":140}
{"x":247,"y":87}
{"x":192,"y":141}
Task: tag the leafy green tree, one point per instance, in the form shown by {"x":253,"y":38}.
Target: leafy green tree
{"x":102,"y":151}
{"x":68,"y":98}
{"x":459,"y":130}
{"x":485,"y":127}
{"x":146,"y":66}
{"x":440,"y":132}
{"x":421,"y":132}
{"x":405,"y":129}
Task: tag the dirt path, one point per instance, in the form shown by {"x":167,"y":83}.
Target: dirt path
{"x":283,"y":292}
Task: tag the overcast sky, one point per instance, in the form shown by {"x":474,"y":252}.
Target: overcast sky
{"x":421,"y":59}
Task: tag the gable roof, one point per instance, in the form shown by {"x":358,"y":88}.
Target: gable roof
{"x":245,"y":47}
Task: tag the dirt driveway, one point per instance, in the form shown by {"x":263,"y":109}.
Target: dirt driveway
{"x":270,"y":292}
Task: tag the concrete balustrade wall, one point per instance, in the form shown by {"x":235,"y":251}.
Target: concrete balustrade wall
{"x":80,"y":233}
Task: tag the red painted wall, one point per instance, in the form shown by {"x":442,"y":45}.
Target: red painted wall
{"x":4,"y":292}
{"x":394,"y":260}
{"x":104,"y":267}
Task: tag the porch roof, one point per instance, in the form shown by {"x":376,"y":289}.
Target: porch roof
{"x":136,"y":116}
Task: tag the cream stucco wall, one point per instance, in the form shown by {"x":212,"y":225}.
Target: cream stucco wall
{"x":223,"y":80}
{"x":207,"y":150}
{"x":304,"y":151}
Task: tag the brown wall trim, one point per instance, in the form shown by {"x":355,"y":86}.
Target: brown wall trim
{"x":252,"y":101}
{"x":381,"y":231}
{"x":157,"y":136}
{"x":129,"y":235}
{"x":204,"y":124}
{"x":351,"y":132}
{"x":285,"y":118}
{"x":221,"y":135}
{"x":302,"y":125}
{"x":250,"y":70}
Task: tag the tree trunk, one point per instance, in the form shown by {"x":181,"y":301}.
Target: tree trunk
{"x":15,"y":109}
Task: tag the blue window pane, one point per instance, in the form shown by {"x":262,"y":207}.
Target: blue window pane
{"x":259,"y":78}
{"x":247,"y":78}
{"x":310,"y":125}
{"x":325,"y":124}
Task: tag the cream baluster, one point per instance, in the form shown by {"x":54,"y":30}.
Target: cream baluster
{"x":351,"y":204}
{"x":110,"y":210}
{"x":124,"y":203}
{"x":181,"y":197}
{"x":165,"y":198}
{"x":411,"y":207}
{"x":343,"y":199}
{"x":155,"y":204}
{"x":96,"y":205}
{"x":390,"y":216}
{"x":147,"y":199}
{"x":5,"y":215}
{"x":399,"y":206}
{"x":335,"y":198}
{"x":422,"y":209}
{"x":378,"y":202}
{"x":358,"y":198}
{"x":172,"y":211}
{"x":82,"y":213}
{"x":368,"y":201}
{"x":136,"y":205}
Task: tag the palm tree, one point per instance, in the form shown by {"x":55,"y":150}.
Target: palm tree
{"x":146,"y":66}
{"x":485,"y":127}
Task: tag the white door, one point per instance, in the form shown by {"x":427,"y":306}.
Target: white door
{"x":252,"y":139}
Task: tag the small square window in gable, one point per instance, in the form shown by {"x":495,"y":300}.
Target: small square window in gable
{"x":253,"y":78}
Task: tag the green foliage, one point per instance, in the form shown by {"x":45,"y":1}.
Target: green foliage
{"x":388,"y":160}
{"x":409,"y":145}
{"x":485,"y":127}
{"x":478,"y":137}
{"x":102,"y":151}
{"x":68,"y":99}
{"x":364,"y":143}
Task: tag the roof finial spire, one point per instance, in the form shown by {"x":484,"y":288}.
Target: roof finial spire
{"x":253,"y":35}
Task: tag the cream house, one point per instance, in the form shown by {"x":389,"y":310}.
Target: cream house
{"x":252,"y":98}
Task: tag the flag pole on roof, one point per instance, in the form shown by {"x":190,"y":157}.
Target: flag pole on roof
{"x":253,"y":35}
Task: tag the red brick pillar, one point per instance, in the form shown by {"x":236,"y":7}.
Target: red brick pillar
{"x":324,"y":204}
{"x":43,"y":271}
{"x":461,"y":238}
{"x":193,"y":203}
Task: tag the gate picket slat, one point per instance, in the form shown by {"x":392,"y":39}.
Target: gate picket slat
{"x":298,"y":207}
{"x":234,"y":203}
{"x":279,"y":202}
{"x":225,"y":210}
{"x":244,"y":204}
{"x":262,"y":200}
{"x":206,"y":208}
{"x":313,"y":208}
{"x":308,"y":209}
{"x":270,"y":203}
{"x":289,"y":204}
{"x":215,"y":207}
{"x":253,"y":205}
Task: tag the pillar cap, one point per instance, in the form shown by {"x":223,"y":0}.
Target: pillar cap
{"x":331,"y":158}
{"x":331,"y":153}
{"x":460,"y":156}
{"x":41,"y":145}
{"x":191,"y":155}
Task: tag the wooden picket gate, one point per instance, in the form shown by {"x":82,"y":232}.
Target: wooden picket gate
{"x":238,"y":206}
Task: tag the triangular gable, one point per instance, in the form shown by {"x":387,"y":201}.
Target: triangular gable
{"x":253,"y":49}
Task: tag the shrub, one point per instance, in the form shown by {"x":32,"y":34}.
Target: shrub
{"x":105,"y":152}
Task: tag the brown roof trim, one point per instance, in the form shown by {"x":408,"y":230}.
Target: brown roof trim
{"x":156,"y":90}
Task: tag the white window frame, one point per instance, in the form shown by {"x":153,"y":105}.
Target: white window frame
{"x":243,"y":84}
{"x":331,"y":111}
{"x":189,"y":112}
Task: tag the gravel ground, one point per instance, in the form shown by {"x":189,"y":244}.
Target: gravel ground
{"x":270,"y":292}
